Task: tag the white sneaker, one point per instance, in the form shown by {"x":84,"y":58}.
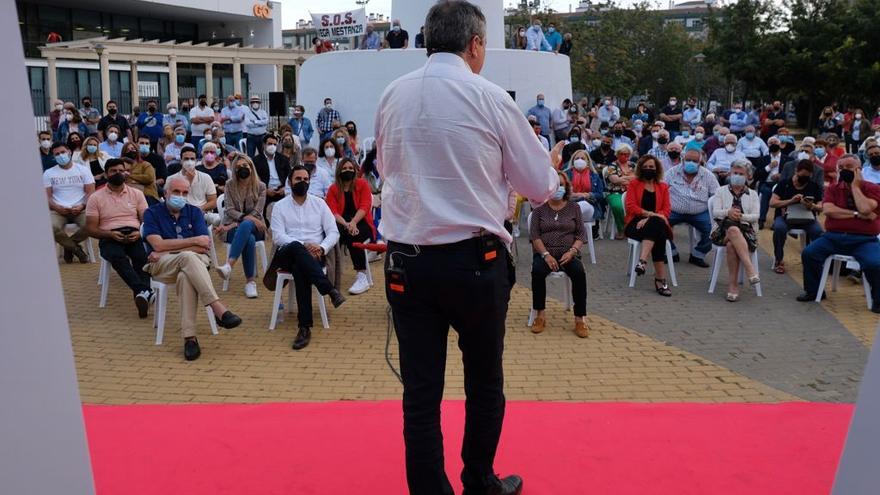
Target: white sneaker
{"x":225,"y":271}
{"x":373,"y":256}
{"x":516,"y":230}
{"x":360,"y":284}
{"x":250,"y":290}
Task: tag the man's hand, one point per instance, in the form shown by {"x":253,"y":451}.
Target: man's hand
{"x":133,"y":237}
{"x":857,"y":179}
{"x":797,"y":198}
{"x":203,"y":242}
{"x":315,"y":250}
{"x":775,"y":177}
{"x":117,"y":236}
{"x":155,"y":256}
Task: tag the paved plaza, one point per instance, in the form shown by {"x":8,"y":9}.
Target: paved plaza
{"x":693,"y":347}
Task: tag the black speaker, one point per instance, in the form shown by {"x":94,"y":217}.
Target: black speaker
{"x":512,"y":94}
{"x":277,"y":104}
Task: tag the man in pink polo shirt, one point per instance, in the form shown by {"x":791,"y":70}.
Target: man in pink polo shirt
{"x":113,"y":216}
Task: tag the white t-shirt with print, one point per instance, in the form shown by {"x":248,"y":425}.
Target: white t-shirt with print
{"x":68,"y":185}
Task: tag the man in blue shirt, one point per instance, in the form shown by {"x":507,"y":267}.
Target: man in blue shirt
{"x":554,"y":39}
{"x":232,"y":117}
{"x":738,"y":120}
{"x":177,"y":244}
{"x":326,"y":117}
{"x":692,"y":116}
{"x":542,"y":113}
{"x":372,"y":40}
{"x":301,"y":125}
{"x":150,"y":122}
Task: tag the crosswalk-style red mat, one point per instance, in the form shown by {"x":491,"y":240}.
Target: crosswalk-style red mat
{"x":558,"y":448}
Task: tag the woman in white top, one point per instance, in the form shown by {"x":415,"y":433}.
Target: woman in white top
{"x":734,"y":225}
{"x":93,"y":159}
{"x":328,"y":156}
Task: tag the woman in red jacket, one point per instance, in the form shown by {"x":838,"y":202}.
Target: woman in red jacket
{"x":647,"y":218}
{"x":350,"y":199}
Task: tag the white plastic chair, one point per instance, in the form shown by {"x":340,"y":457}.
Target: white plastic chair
{"x":242,"y":145}
{"x":720,"y":254}
{"x":569,"y":302}
{"x":104,"y":282}
{"x":590,"y":244}
{"x":70,"y":228}
{"x":161,"y":291}
{"x":276,"y":302}
{"x":260,"y":247}
{"x":635,"y":249}
{"x":838,"y":260}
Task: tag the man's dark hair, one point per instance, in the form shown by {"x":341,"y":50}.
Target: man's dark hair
{"x":84,"y":98}
{"x":188,"y":147}
{"x":111,"y":101}
{"x":44,"y":133}
{"x":58,"y":144}
{"x":451,"y":25}
{"x":268,"y":136}
{"x":113,"y":162}
{"x":804,"y":165}
{"x":309,"y":151}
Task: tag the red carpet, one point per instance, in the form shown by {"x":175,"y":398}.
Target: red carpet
{"x":558,"y":448}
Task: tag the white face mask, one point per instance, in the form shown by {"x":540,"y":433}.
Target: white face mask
{"x":858,"y":116}
{"x":255,"y":106}
{"x":45,"y":144}
{"x":188,"y":165}
{"x":172,"y":112}
{"x":803,"y":155}
{"x":208,"y":137}
{"x":580,"y":164}
{"x":112,"y":137}
{"x":730,"y":148}
{"x":270,"y":149}
{"x":59,"y":107}
{"x":330,"y":152}
{"x":655,"y":135}
{"x":596,"y":143}
{"x":328,"y":106}
{"x":699,"y":136}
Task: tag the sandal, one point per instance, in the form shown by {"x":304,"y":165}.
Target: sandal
{"x":662,"y":287}
{"x":641,"y":267}
{"x":755,"y":280}
{"x":732,"y":297}
{"x":779,"y":268}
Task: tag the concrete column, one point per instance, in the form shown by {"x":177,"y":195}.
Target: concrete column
{"x":209,"y":82}
{"x":296,"y":69}
{"x":52,"y":74}
{"x":135,"y":100}
{"x":104,"y":60}
{"x":279,"y":77}
{"x":172,"y":78}
{"x":236,"y":75}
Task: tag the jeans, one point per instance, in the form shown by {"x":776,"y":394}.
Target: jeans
{"x":254,"y":144}
{"x":864,"y":248}
{"x":575,"y":271}
{"x":232,"y":139}
{"x":307,"y":271}
{"x":128,"y":260}
{"x":765,"y":190}
{"x":448,"y":286}
{"x":243,"y":240}
{"x":780,"y":233}
{"x":702,"y":223}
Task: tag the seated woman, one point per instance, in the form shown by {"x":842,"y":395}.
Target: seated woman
{"x":556,"y":230}
{"x":797,"y":201}
{"x":735,"y":218}
{"x":243,"y":220}
{"x":343,"y":143}
{"x":617,"y":177}
{"x":575,"y":143}
{"x":143,"y":175}
{"x":91,"y":157}
{"x":647,"y":218}
{"x":350,"y":199}
{"x":587,"y":188}
{"x":214,"y":165}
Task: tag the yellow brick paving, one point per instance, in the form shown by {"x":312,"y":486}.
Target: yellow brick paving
{"x":117,"y":362}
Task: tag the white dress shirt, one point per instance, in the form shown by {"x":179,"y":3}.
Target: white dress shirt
{"x":448,"y":142}
{"x":310,"y":222}
{"x":752,"y":148}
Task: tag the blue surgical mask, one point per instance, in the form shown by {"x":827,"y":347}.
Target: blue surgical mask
{"x":574,"y":139}
{"x":92,"y":149}
{"x":62,"y":159}
{"x":819,"y":152}
{"x":176,"y":203}
{"x":222,"y":139}
{"x":737,"y":180}
{"x":180,"y":138}
{"x":750,"y":135}
{"x":685,"y":134}
{"x":559,"y":194}
{"x":716,"y":134}
{"x":540,"y":103}
{"x":691,"y":167}
{"x":551,"y":30}
{"x":144,"y":149}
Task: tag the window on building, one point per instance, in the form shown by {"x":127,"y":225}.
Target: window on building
{"x":86,"y":24}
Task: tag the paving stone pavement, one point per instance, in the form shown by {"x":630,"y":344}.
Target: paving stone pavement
{"x":812,"y":351}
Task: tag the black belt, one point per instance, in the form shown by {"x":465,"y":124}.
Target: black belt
{"x":473,"y":242}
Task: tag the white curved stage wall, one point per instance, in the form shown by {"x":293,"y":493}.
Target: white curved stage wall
{"x":412,"y":17}
{"x":356,"y":79}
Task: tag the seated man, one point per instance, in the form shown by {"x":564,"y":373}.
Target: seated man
{"x":690,"y":187}
{"x":46,"y":157}
{"x":304,"y":231}
{"x":201,"y":193}
{"x":851,"y":206}
{"x":796,"y":201}
{"x":68,"y":187}
{"x":178,"y":243}
{"x":113,"y":216}
{"x":721,"y":159}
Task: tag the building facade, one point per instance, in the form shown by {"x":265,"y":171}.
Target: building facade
{"x":223,"y":22}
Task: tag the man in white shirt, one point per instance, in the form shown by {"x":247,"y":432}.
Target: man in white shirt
{"x":608,"y":113}
{"x":560,"y":122}
{"x":721,"y":159}
{"x":200,"y":118}
{"x":752,"y":146}
{"x":68,"y":187}
{"x":447,"y":264}
{"x":304,"y":230}
{"x":256,"y":120}
{"x":202,"y":191}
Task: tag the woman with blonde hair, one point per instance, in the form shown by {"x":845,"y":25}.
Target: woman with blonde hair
{"x":243,"y":220}
{"x":143,"y":175}
{"x":91,"y":157}
{"x":587,"y":187}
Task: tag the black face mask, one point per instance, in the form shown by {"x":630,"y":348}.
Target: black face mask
{"x":203,"y":103}
{"x":674,"y":154}
{"x":309,"y":166}
{"x":875,"y":160}
{"x":774,"y":148}
{"x":846,"y":176}
{"x":618,"y":132}
{"x":243,"y":173}
{"x":112,"y":111}
{"x":605,"y":146}
{"x":662,"y":140}
{"x":116,"y":180}
{"x":648,"y":173}
{"x":287,"y":144}
{"x":151,"y":109}
{"x":300,"y":188}
{"x":347,"y":175}
{"x":131,"y":154}
{"x":802,"y":180}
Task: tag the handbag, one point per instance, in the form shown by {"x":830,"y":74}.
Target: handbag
{"x":798,"y":215}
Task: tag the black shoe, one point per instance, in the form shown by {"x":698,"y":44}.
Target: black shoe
{"x":676,"y":258}
{"x":228,"y":320}
{"x":81,"y":255}
{"x":191,"y":349}
{"x":336,"y":298}
{"x":875,"y":308}
{"x":804,"y":297}
{"x":303,"y":337}
{"x":68,"y":256}
{"x":142,"y":301}
{"x":700,"y":262}
{"x":511,"y":485}
{"x":271,"y":275}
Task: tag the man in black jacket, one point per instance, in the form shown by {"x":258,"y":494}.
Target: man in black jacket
{"x":273,"y":168}
{"x":768,"y":171}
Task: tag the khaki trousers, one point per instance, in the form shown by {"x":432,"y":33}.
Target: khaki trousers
{"x":189,"y":271}
{"x":70,"y":243}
